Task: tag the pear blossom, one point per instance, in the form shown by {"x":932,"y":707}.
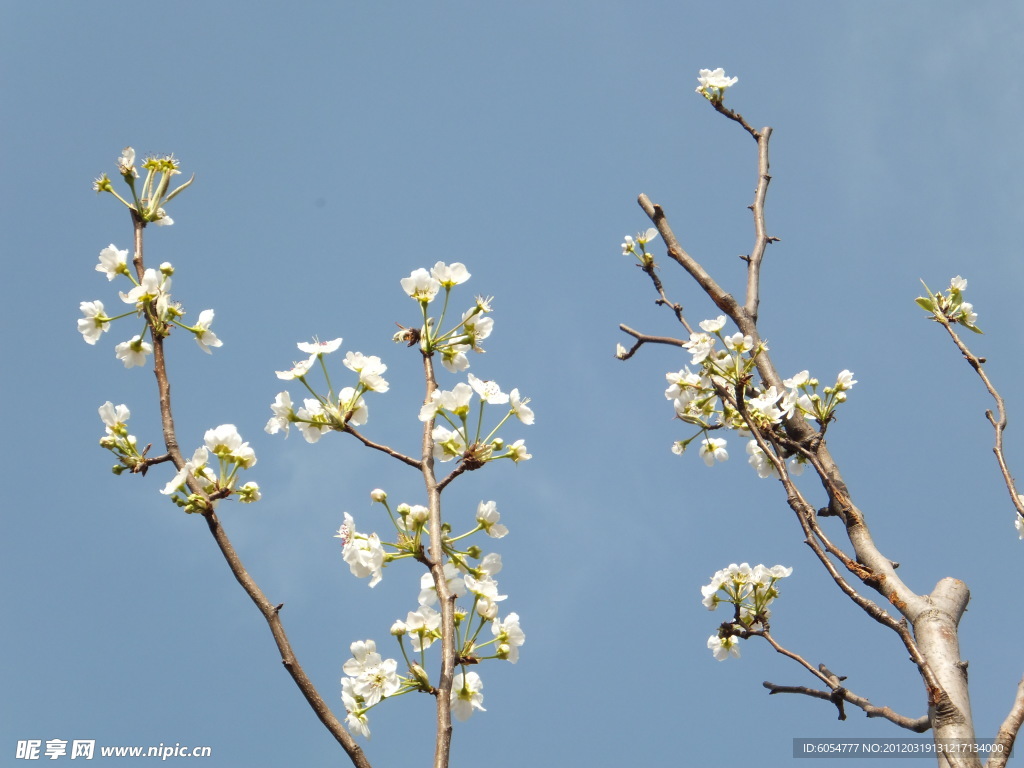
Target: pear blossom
{"x":225,"y":443}
{"x":510,"y":636}
{"x":487,"y":517}
{"x":249,"y":493}
{"x":206,"y":338}
{"x":523,"y":412}
{"x":491,"y":564}
{"x":455,"y":401}
{"x":196,"y":466}
{"x":298,"y":370}
{"x":1018,"y":523}
{"x":162,"y":219}
{"x":369,"y":368}
{"x":683,"y":385}
{"x":713,"y":83}
{"x":94,"y":323}
{"x":723,"y":647}
{"x":453,"y":357}
{"x":378,"y":683}
{"x":152,"y":286}
{"x":958,"y":284}
{"x":428,"y":592}
{"x":353,"y":406}
{"x":114,"y":416}
{"x":423,"y":627}
{"x":466,"y":695}
{"x":317,"y":347}
{"x":477,"y":328}
{"x":759,"y":461}
{"x":489,"y":391}
{"x":283,"y":414}
{"x":739,"y":342}
{"x":421,"y":286}
{"x":449,"y":275}
{"x":364,"y":658}
{"x":485,"y":587}
{"x":127,"y":159}
{"x":517,"y":452}
{"x":311,"y":420}
{"x":113,"y":262}
{"x":133,"y":352}
{"x":642,"y":239}
{"x":448,"y":445}
{"x":713,"y":326}
{"x":712,"y":449}
{"x":699,"y":346}
{"x":844,"y":381}
{"x":364,"y":554}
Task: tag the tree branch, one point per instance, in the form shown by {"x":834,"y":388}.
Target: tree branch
{"x":384,"y":449}
{"x":269,"y":611}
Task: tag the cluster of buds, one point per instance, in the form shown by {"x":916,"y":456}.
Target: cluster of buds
{"x":150,"y":294}
{"x":750,"y":591}
{"x":118,"y":441}
{"x":950,"y":306}
{"x":232,"y":455}
{"x":638,"y":247}
{"x":148,"y":203}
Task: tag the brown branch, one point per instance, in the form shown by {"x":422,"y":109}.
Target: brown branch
{"x":838,"y":693}
{"x":442,"y":693}
{"x":1008,"y":730}
{"x":384,"y":449}
{"x":998,"y":424}
{"x":269,"y":611}
{"x":874,"y":569}
{"x":722,"y":300}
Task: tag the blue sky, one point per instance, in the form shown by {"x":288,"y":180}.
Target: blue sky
{"x":339,"y":146}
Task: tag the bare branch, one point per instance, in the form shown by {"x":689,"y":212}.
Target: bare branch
{"x":384,"y":449}
{"x":998,"y":423}
{"x":1008,"y":730}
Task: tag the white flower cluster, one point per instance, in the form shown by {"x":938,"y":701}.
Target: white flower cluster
{"x":333,"y":411}
{"x":150,"y":299}
{"x":465,"y":336}
{"x":696,"y":396}
{"x":638,"y":247}
{"x":454,"y":407}
{"x":232,"y":455}
{"x":117,"y":440}
{"x":712,"y":84}
{"x":369,"y":679}
{"x":950,"y":305}
{"x":750,"y":591}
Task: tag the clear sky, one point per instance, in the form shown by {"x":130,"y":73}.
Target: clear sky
{"x":338,"y":146}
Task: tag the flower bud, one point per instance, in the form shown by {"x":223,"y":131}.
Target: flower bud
{"x":421,"y":676}
{"x":378,"y":495}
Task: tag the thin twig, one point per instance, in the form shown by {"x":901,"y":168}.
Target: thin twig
{"x":998,"y":424}
{"x":384,"y":449}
